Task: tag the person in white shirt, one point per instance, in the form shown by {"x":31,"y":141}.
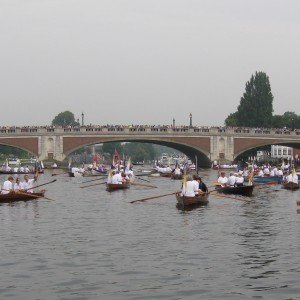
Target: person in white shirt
{"x":240,"y":180}
{"x":188,"y":188}
{"x":17,"y":185}
{"x":266,"y":171}
{"x":292,"y":177}
{"x":196,"y":184}
{"x":7,"y":186}
{"x":26,"y":169}
{"x":223,"y":180}
{"x":231,"y":179}
{"x":260,"y":173}
{"x":27,"y":184}
{"x":22,"y":169}
{"x":16,"y":169}
{"x":279,"y":172}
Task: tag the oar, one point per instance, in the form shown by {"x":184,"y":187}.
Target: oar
{"x":82,"y":187}
{"x":42,"y":184}
{"x":154,"y":197}
{"x":143,"y":179}
{"x":141,"y":184}
{"x":92,"y":180}
{"x":60,"y":174}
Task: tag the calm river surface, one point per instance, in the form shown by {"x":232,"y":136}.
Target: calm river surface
{"x":91,"y":244}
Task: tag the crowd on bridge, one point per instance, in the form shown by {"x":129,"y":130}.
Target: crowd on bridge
{"x":136,"y":127}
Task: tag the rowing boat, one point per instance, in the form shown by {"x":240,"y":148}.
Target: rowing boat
{"x":110,"y":187}
{"x":177,"y":176}
{"x":245,"y":190}
{"x":184,"y":202}
{"x":267,"y":179}
{"x":290,"y":186}
{"x":21,"y":196}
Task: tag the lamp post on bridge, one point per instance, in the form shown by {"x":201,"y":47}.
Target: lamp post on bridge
{"x":191,"y":123}
{"x":82,"y":119}
{"x":173,"y":122}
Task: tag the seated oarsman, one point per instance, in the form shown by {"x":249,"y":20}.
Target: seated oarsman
{"x":231,"y":179}
{"x":26,"y":169}
{"x":239,"y":180}
{"x":222,"y":180}
{"x":272,"y":173}
{"x":266,"y":171}
{"x":21,"y":169}
{"x":246,"y":172}
{"x":110,"y":176}
{"x":196,"y":185}
{"x":202,"y":186}
{"x":17,"y":185}
{"x":27,"y":184}
{"x":292,"y":177}
{"x":7,"y":186}
{"x":188,"y":188}
{"x":16,"y":169}
{"x":260,"y":173}
{"x":177,"y":171}
{"x":279,"y":172}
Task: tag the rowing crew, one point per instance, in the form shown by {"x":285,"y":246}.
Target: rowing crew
{"x":120,"y":177}
{"x":26,"y":185}
{"x":233,"y":179}
{"x":193,"y":186}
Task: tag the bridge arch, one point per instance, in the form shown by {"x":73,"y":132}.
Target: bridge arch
{"x":27,"y":144}
{"x":189,"y":149}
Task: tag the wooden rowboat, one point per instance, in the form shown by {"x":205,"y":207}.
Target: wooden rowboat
{"x":20,"y":196}
{"x":165,"y":174}
{"x":110,"y":187}
{"x":177,"y":176}
{"x":291,"y":186}
{"x":184,"y":202}
{"x":245,"y":190}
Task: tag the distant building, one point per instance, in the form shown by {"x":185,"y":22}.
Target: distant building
{"x":284,"y":152}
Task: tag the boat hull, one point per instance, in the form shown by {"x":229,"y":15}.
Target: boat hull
{"x":245,"y":190}
{"x":291,"y":186}
{"x":110,"y":187}
{"x":177,"y":176}
{"x":22,"y":196}
{"x":267,"y":179}
{"x":184,"y":202}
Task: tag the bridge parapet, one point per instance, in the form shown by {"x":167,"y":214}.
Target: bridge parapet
{"x":138,"y":130}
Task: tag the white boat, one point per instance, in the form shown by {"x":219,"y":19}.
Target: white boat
{"x":14,"y":161}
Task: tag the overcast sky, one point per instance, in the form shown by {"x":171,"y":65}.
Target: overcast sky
{"x":144,"y":61}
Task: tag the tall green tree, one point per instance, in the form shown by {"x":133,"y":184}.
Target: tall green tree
{"x":65,"y":118}
{"x":256,"y":105}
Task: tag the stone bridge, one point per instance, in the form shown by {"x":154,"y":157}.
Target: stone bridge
{"x":207,"y":143}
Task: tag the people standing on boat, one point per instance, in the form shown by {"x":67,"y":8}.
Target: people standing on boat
{"x":231,"y":179}
{"x":27,"y":184}
{"x":7,"y":186}
{"x":223,"y":180}
{"x":240,"y":179}
{"x":18,"y":185}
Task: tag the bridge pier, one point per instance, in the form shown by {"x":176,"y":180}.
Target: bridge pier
{"x":51,"y":147}
{"x":222,"y":148}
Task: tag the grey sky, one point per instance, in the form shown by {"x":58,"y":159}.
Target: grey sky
{"x":144,"y":61}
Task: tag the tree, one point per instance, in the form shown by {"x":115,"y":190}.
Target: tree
{"x":256,"y":105}
{"x":65,"y":118}
{"x":231,"y":120}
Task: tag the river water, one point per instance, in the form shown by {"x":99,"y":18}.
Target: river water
{"x":91,"y":244}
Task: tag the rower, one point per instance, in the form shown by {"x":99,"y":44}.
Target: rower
{"x":7,"y":185}
{"x":239,"y":179}
{"x":202,"y":186}
{"x":27,"y":184}
{"x":17,"y":185}
{"x":188,"y":188}
{"x":231,"y":179}
{"x":223,"y":180}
